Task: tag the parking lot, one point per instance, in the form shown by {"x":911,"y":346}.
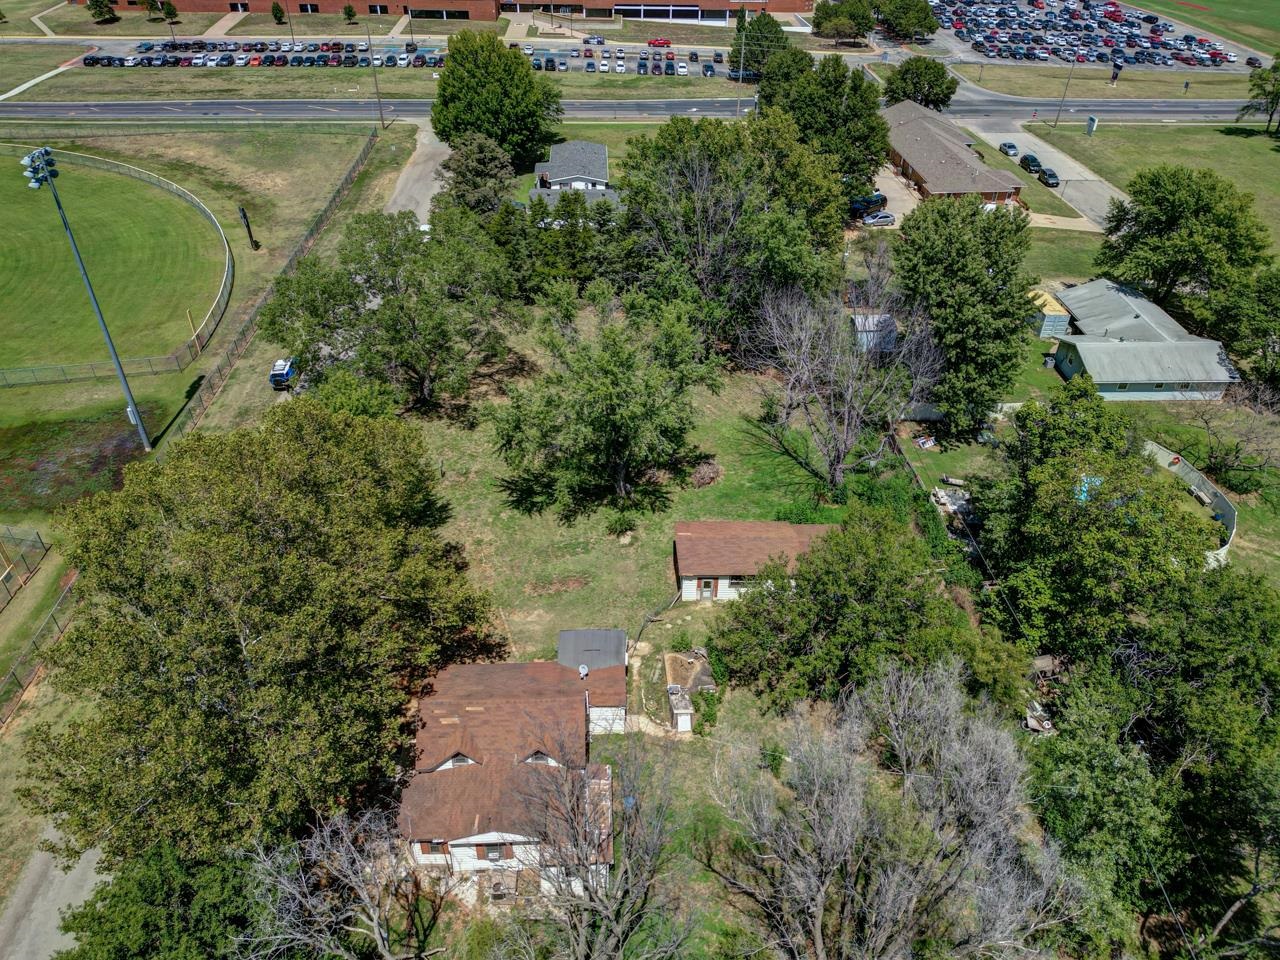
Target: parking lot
{"x":1077,"y":31}
{"x":657,"y":58}
{"x":272,"y":53}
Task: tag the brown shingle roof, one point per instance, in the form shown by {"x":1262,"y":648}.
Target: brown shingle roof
{"x":496,"y":714}
{"x":724,"y":548}
{"x":939,"y":151}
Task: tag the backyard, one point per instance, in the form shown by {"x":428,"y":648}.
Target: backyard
{"x":1062,"y":254}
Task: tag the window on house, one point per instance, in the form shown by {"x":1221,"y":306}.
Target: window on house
{"x":1157,"y":386}
{"x":493,"y":851}
{"x":239,"y":7}
{"x":540,"y":757}
{"x":379,"y":8}
{"x":433,"y":846}
{"x":1122,"y":386}
{"x":737,"y":583}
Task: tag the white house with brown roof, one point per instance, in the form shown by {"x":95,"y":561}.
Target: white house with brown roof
{"x":714,"y":559}
{"x":486,"y":732}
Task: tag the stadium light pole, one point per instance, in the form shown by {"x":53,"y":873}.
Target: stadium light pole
{"x":41,"y":171}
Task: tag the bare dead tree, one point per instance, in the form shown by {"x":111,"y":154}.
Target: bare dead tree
{"x":1241,"y":432}
{"x":903,"y":820}
{"x":604,"y":851}
{"x":846,"y":374}
{"x":350,"y":885}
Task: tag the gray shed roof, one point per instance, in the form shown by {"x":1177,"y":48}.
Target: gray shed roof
{"x":1106,"y":309}
{"x":596,"y":649}
{"x":553,"y":196}
{"x":576,"y":158}
{"x":1185,"y":361}
{"x":942,"y":153}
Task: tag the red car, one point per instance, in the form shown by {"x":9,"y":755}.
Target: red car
{"x":659,"y":42}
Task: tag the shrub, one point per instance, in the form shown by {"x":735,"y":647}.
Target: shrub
{"x":705,"y":708}
{"x":771,"y":757}
{"x":620,"y":522}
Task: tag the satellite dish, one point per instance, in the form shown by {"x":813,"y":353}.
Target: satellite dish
{"x":582,"y":671}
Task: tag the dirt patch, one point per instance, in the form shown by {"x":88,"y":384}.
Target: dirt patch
{"x":706,"y":473}
{"x":50,"y":463}
{"x":561,"y":585}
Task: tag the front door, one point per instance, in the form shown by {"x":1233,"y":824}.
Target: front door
{"x":706,"y":589}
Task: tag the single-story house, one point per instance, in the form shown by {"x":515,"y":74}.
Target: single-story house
{"x":1048,"y":318}
{"x":485,"y":731}
{"x":715,"y":558}
{"x":938,"y":157}
{"x":578,"y":165}
{"x":1133,"y":350}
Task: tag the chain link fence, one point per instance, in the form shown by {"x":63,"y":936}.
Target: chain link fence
{"x":133,"y":366}
{"x":20,"y":554}
{"x":27,"y":664}
{"x":216,"y":377}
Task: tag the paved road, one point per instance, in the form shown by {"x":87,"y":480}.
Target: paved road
{"x":29,"y":924}
{"x":966,"y":107}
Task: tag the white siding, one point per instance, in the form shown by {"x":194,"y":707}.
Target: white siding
{"x":607,"y":720}
{"x":689,"y":588}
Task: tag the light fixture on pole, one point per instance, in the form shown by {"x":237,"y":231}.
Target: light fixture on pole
{"x":377,"y":91}
{"x":41,"y":170}
{"x":1065,"y":87}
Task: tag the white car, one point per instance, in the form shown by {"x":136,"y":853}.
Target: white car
{"x":620,"y":68}
{"x":130,"y":61}
{"x":403,"y":60}
{"x":1232,"y":58}
{"x":527,"y":50}
{"x":377,"y":61}
{"x":242,"y":60}
{"x":362,"y":46}
{"x":604,"y":54}
{"x":196,"y":61}
{"x":682,"y":69}
{"x":211,"y":61}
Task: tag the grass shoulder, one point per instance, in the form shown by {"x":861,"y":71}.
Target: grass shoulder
{"x":73,"y":20}
{"x":1038,"y":197}
{"x":20,"y":62}
{"x":1094,"y":83}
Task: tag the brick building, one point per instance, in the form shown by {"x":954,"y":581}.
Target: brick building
{"x":697,"y":11}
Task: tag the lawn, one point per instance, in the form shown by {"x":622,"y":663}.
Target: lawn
{"x":1241,"y":154}
{"x":87,"y":83}
{"x":1062,"y":254}
{"x":1253,"y":23}
{"x":1035,"y":194}
{"x":151,"y":257}
{"x":18,"y":14}
{"x":1034,"y":380}
{"x":20,"y":62}
{"x":73,"y":20}
{"x":1094,"y":83}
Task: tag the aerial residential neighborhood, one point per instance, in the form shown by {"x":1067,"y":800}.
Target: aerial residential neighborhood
{"x":641,"y":481}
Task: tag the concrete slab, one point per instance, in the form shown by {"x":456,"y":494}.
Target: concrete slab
{"x":901,"y":195}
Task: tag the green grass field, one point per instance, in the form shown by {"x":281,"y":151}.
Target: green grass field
{"x":85,"y":83}
{"x":150,"y":256}
{"x":1255,"y":23}
{"x":1038,"y":197}
{"x":1093,"y":83}
{"x":20,"y":62}
{"x":1241,"y":154}
{"x":1062,"y":254}
{"x":17,"y":18}
{"x":73,"y":20}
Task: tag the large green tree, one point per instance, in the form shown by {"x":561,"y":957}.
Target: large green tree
{"x":864,"y":595}
{"x":1264,"y":93}
{"x":1182,"y":230}
{"x":158,"y":907}
{"x":493,"y":90}
{"x":836,"y":109}
{"x":964,"y":267}
{"x":423,"y":314}
{"x":612,"y":410}
{"x":923,"y":80}
{"x":255,"y":609}
{"x":906,"y":18}
{"x":722,"y":211}
{"x":829,"y":19}
{"x":754,"y":44}
{"x":478,"y":173}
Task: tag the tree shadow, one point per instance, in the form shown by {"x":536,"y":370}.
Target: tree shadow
{"x":1238,"y":130}
{"x":192,"y":389}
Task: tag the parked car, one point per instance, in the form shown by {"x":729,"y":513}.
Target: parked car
{"x":656,"y":69}
{"x":282,"y":375}
{"x":871,"y":203}
{"x":693,"y":56}
{"x":882,"y":219}
{"x":1049,"y":178}
{"x":594,"y":41}
{"x":527,"y":50}
{"x":717,"y":57}
{"x":682,"y":69}
{"x":1253,"y":62}
{"x":1009,"y":149}
{"x":708,"y":70}
{"x":1030,"y":163}
{"x":619,"y":67}
{"x":409,"y":47}
{"x":659,"y":42}
{"x":563,"y":65}
{"x":591,"y":66}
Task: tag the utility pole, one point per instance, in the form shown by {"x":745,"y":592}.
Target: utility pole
{"x":41,"y":171}
{"x":289,"y":17}
{"x":1065,"y":87}
{"x":377,"y":91}
{"x":742,"y":66}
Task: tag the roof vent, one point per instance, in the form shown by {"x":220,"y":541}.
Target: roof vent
{"x":582,"y":671}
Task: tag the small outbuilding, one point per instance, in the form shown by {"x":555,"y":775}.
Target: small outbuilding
{"x":1049,"y":318}
{"x":714,"y":559}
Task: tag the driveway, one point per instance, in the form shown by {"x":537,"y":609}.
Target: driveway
{"x":901,"y":195}
{"x":29,"y":925}
{"x":1081,"y":187}
{"x":420,"y":179}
